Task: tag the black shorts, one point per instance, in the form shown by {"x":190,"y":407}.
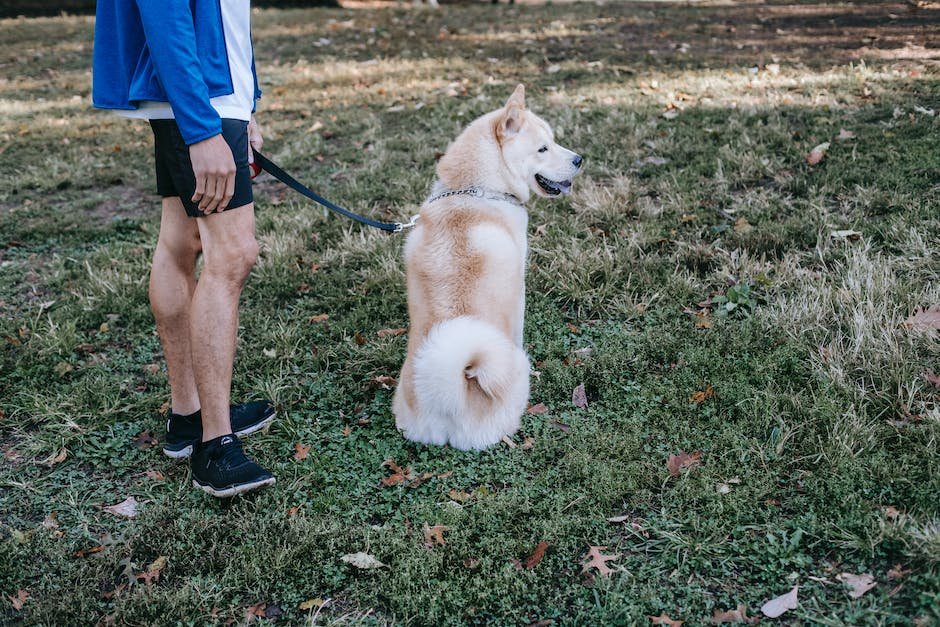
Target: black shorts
{"x":175,"y":170}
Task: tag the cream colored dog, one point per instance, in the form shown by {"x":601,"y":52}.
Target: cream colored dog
{"x":465,"y":380}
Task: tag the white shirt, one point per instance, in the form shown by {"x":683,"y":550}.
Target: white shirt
{"x":236,"y":25}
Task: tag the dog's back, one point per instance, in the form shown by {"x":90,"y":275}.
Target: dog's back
{"x":465,"y":380}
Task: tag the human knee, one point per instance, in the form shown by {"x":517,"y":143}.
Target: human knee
{"x":181,"y":249}
{"x":235,"y":261}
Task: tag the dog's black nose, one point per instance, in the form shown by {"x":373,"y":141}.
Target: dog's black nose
{"x":577,"y":161}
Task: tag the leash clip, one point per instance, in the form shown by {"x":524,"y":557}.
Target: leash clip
{"x":399,"y":227}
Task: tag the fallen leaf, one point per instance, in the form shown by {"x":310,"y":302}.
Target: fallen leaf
{"x":434,"y":535}
{"x":86,"y":552}
{"x":126,"y":508}
{"x":897,"y":573}
{"x":560,"y":425}
{"x":309,"y":604}
{"x":537,"y":409}
{"x":528,"y":443}
{"x":742,"y":226}
{"x":153,"y":571}
{"x":816,"y":154}
{"x":703,"y":319}
{"x":144,"y":440}
{"x":347,"y":431}
{"x":596,"y":559}
{"x":58,"y":458}
{"x":508,"y":441}
{"x":703,"y":395}
{"x":845,"y":135}
{"x":459,"y":495}
{"x":685,"y":218}
{"x":302,"y":450}
{"x":383,"y":381}
{"x":924,"y":319}
{"x":391,"y":332}
{"x":151,"y":368}
{"x":399,"y":474}
{"x":932,"y":378}
{"x":737,"y":615}
{"x":319,"y":318}
{"x":664,"y":619}
{"x":154,"y":475}
{"x":533,"y":560}
{"x":51,"y":521}
{"x":778,"y":606}
{"x":254,"y":611}
{"x":359,"y":338}
{"x":19,"y":599}
{"x":846,"y":234}
{"x":292,"y":511}
{"x":362,"y":560}
{"x":579,"y":397}
{"x":891,"y":513}
{"x":677,"y":463}
{"x":859,"y":584}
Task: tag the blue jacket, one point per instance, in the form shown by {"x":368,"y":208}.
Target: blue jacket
{"x":163,"y":50}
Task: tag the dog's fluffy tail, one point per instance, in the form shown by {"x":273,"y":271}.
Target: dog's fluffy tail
{"x":471,"y":375}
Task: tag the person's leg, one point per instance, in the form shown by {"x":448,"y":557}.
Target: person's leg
{"x":229,"y":252}
{"x":172,"y":282}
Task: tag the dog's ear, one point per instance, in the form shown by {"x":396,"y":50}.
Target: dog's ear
{"x":512,"y":117}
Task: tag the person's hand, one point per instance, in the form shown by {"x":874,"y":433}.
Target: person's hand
{"x":254,"y":139}
{"x":214,"y":168}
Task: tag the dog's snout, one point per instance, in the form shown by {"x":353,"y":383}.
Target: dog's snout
{"x":577,"y":161}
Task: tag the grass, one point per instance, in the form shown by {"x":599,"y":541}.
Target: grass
{"x":819,"y":435}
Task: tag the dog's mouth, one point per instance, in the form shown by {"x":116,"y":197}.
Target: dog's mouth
{"x":553,"y":188}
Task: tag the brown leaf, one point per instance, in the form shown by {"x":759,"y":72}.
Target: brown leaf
{"x":676,"y":463}
{"x":399,"y":474}
{"x":924,"y":319}
{"x":144,"y":440}
{"x":737,"y":615}
{"x":254,"y":611}
{"x":126,"y":508}
{"x":383,"y":381}
{"x":19,"y":599}
{"x":703,"y":319}
{"x":391,"y":332}
{"x":434,"y":535}
{"x":57,"y":458}
{"x":845,"y":135}
{"x":347,"y":430}
{"x":932,"y":378}
{"x":703,"y":395}
{"x":560,"y":425}
{"x":508,"y":441}
{"x":292,"y":511}
{"x":319,"y":318}
{"x":596,"y":559}
{"x":154,"y":475}
{"x":535,"y":410}
{"x":897,"y":573}
{"x":153,"y":571}
{"x":302,"y":450}
{"x":86,"y":552}
{"x":151,"y":368}
{"x":533,"y":560}
{"x":309,"y":604}
{"x":859,"y":584}
{"x":579,"y":397}
{"x":742,"y":226}
{"x":573,"y":328}
{"x":664,"y":619}
{"x":359,"y":338}
{"x":891,"y":513}
{"x":780,"y":605}
{"x":528,"y":443}
{"x":817,"y":154}
{"x":459,"y":495}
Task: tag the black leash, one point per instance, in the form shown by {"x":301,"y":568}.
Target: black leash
{"x":277,"y":172}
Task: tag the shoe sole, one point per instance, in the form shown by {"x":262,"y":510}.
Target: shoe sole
{"x":185,"y":452}
{"x":234,"y":490}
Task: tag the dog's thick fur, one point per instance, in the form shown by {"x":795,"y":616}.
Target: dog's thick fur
{"x":465,"y":380}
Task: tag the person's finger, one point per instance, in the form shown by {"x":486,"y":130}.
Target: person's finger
{"x":229,"y":192}
{"x":215,"y":195}
{"x":200,"y":189}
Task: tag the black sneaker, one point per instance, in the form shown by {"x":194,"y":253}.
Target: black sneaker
{"x":221,"y":468}
{"x":182,"y":432}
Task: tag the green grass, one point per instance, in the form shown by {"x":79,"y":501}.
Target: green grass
{"x":821,"y":418}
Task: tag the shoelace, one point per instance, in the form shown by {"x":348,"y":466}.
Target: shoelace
{"x":230,"y":453}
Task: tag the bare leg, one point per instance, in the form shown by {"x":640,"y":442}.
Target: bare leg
{"x":230,"y":250}
{"x":172,"y":281}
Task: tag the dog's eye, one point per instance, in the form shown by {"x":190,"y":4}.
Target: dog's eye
{"x":543,"y":149}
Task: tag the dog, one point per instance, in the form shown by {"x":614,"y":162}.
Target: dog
{"x":465,"y":379}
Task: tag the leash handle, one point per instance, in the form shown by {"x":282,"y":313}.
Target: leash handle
{"x":280,"y":174}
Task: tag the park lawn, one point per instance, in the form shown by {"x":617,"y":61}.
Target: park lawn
{"x":808,"y":409}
